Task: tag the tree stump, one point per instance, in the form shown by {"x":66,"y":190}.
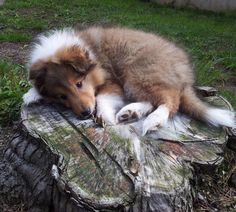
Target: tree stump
{"x":69,"y":164}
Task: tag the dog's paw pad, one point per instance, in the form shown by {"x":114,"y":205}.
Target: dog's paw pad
{"x":133,"y":111}
{"x":100,"y":121}
{"x":126,"y":115}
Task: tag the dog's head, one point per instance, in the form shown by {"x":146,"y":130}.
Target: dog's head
{"x":65,"y":71}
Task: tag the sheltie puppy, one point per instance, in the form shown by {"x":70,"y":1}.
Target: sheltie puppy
{"x":103,"y":68}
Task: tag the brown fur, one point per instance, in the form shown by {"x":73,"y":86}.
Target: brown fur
{"x":142,"y":66}
{"x":54,"y":81}
{"x":148,"y":67}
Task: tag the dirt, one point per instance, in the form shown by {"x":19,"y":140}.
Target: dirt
{"x":14,"y":52}
{"x":9,"y":206}
{"x":214,"y":192}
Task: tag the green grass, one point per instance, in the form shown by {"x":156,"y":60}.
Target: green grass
{"x":9,"y":35}
{"x":208,"y":37}
{"x":13,"y":85}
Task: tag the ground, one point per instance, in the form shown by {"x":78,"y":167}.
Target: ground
{"x":208,"y":37}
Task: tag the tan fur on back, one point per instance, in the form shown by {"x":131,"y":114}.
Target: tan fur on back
{"x":148,"y":67}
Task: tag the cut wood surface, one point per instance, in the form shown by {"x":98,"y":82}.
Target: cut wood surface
{"x":85,"y":167}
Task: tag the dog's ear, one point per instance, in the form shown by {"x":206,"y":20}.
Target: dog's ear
{"x":37,"y":74}
{"x":78,"y":58}
{"x":84,"y":70}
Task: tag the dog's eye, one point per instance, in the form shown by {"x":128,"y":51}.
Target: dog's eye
{"x":63,"y":97}
{"x":79,"y":84}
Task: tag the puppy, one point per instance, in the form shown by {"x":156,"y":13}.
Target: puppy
{"x":103,"y":68}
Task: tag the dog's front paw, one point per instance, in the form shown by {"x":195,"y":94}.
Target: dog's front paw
{"x":107,"y":106}
{"x":133,"y":111}
{"x":31,"y":96}
{"x":156,"y":119}
{"x":106,"y":117}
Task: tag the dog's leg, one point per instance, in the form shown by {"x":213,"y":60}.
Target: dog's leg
{"x":169,"y":100}
{"x":156,"y":119}
{"x":107,"y":106}
{"x":32,"y":96}
{"x":134,"y":111}
{"x":166,"y":100}
{"x":109,"y":100}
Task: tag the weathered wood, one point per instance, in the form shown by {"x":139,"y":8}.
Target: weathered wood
{"x":73,"y":164}
{"x":206,"y":91}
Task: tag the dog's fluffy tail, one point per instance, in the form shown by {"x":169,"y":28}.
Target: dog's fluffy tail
{"x":193,"y":106}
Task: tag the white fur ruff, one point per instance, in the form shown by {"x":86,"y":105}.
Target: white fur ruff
{"x":107,"y":106}
{"x":50,"y":43}
{"x":31,"y":96}
{"x":222,"y":117}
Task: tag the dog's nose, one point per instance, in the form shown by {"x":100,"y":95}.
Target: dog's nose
{"x":86,"y":112}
